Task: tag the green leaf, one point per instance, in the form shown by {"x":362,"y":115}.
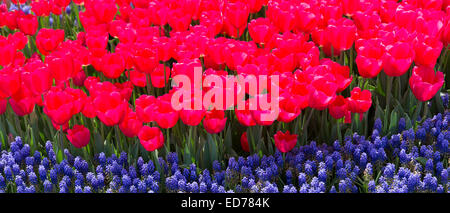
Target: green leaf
{"x":422,"y":160}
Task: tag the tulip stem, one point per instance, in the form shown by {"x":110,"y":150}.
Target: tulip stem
{"x":338,"y":129}
{"x":388,"y":93}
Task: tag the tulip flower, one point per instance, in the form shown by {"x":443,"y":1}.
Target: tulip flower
{"x":145,"y":107}
{"x":3,"y":105}
{"x":113,"y":65}
{"x":79,"y":136}
{"x":215,"y":121}
{"x":59,"y":105}
{"x":47,"y":40}
{"x":321,"y":93}
{"x":131,"y":125}
{"x":285,"y":142}
{"x":22,"y":102}
{"x":164,"y":115}
{"x":244,"y":142}
{"x":110,"y":108}
{"x":28,"y":24}
{"x":398,"y":59}
{"x":7,"y":53}
{"x":425,"y":82}
{"x":370,"y":58}
{"x":261,"y":30}
{"x":9,"y":82}
{"x":360,"y":101}
{"x":151,"y":138}
{"x":339,"y":108}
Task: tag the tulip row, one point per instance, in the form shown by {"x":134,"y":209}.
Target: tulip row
{"x":102,"y":74}
{"x":409,"y":161}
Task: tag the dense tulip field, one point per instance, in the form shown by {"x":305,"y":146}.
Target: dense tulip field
{"x":224,"y":95}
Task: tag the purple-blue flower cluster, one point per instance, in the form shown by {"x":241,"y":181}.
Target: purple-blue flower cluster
{"x":413,"y":160}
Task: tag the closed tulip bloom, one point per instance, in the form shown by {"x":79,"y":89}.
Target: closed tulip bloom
{"x":22,"y":102}
{"x":339,"y":108}
{"x":215,"y":121}
{"x":285,"y":142}
{"x":425,"y":82}
{"x":158,"y":78}
{"x":289,"y":108}
{"x":244,"y":115}
{"x":342,"y":33}
{"x":131,"y":125}
{"x":261,"y":30}
{"x":59,"y":105}
{"x":7,"y":53}
{"x":48,"y":40}
{"x":28,"y":24}
{"x":370,"y":58}
{"x":110,"y":108}
{"x":244,"y":142}
{"x":165,"y":116}
{"x":105,"y":10}
{"x":145,"y":108}
{"x":151,"y":138}
{"x":360,"y":101}
{"x":237,"y":14}
{"x":113,"y":65}
{"x":427,"y":51}
{"x":398,"y":59}
{"x":321,"y":93}
{"x":191,"y":116}
{"x":79,"y":136}
{"x":9,"y":82}
{"x":145,"y":59}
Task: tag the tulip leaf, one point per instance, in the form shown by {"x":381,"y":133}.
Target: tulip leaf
{"x":393,"y":122}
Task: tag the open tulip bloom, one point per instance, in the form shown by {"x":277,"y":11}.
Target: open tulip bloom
{"x":208,"y":81}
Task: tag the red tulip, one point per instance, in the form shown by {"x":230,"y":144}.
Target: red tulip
{"x":237,"y":14}
{"x":215,"y":121}
{"x":62,"y":66}
{"x":261,"y":30}
{"x":151,"y":138}
{"x":425,"y":82}
{"x":145,"y":59}
{"x":370,"y":58}
{"x":321,"y":93}
{"x":7,"y":53}
{"x":89,"y":108}
{"x":285,"y":142}
{"x":158,"y":78}
{"x":397,"y":59}
{"x":165,"y":116}
{"x":28,"y":24}
{"x":48,"y":40}
{"x":79,"y":136}
{"x":110,"y":108}
{"x":10,"y":82}
{"x":244,"y":142}
{"x":22,"y":102}
{"x":342,"y":33}
{"x":59,"y":105}
{"x":360,"y":101}
{"x":427,"y":51}
{"x":113,"y":65}
{"x":18,"y":39}
{"x":131,"y":125}
{"x":289,"y":108}
{"x":145,"y":108}
{"x":339,"y":108}
{"x":104,"y":10}
{"x":37,"y":77}
{"x":189,"y":115}
{"x":244,"y":116}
